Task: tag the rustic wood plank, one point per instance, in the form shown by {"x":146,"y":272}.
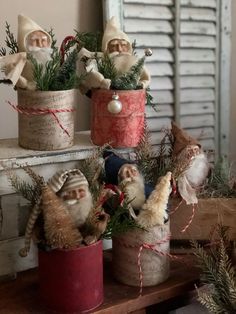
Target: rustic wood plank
{"x":157,"y":2}
{"x":199,"y":3}
{"x":192,"y":68}
{"x":160,"y":69}
{"x":202,"y":133}
{"x":162,"y":110}
{"x":22,"y":295}
{"x":208,"y":144}
{"x":197,"y":95}
{"x":207,"y":214}
{"x":10,"y":261}
{"x":188,"y":122}
{"x":162,"y":96}
{"x":197,"y":81}
{"x":147,"y":12}
{"x":161,"y":83}
{"x":158,"y":55}
{"x":147,"y":26}
{"x":152,"y":40}
{"x":198,"y":14}
{"x":197,"y":41}
{"x":157,"y":124}
{"x":197,"y":108}
{"x":205,"y":28}
{"x":204,"y":55}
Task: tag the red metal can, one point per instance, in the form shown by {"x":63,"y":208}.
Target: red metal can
{"x":121,"y":129}
{"x":72,"y":280}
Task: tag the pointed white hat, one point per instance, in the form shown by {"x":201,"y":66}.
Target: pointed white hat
{"x":25,"y":27}
{"x":112,"y":31}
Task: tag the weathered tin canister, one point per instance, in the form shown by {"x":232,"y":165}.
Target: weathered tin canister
{"x":122,"y":127}
{"x":46,"y":119}
{"x":142,"y":255}
{"x":72,"y":280}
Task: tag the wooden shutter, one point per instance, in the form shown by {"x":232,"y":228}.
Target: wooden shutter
{"x":189,"y":75}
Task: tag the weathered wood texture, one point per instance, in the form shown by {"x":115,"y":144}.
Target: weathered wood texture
{"x":208,"y":213}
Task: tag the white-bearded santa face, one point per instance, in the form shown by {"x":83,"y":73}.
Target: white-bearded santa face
{"x":131,"y":179}
{"x":79,"y":203}
{"x":198,"y":169}
{"x":38,"y":46}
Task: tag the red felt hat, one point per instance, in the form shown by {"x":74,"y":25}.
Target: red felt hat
{"x":181,"y":139}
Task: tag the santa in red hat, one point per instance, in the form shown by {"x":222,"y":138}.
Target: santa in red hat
{"x":191,"y":164}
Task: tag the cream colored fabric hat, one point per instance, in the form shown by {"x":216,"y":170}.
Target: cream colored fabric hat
{"x":25,"y":27}
{"x":66,"y":180}
{"x":111,"y":32}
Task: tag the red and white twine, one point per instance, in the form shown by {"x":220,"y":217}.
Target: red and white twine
{"x":190,"y":220}
{"x":36,"y":112}
{"x":152,"y":248}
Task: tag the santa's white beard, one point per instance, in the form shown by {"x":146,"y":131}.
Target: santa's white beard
{"x":193,"y":178}
{"x":198,"y":170}
{"x":80,"y":209}
{"x":41,"y":55}
{"x":134,"y":187}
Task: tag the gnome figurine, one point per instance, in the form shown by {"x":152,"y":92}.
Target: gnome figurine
{"x":73,"y":188}
{"x":117,"y":45}
{"x":192,"y":162}
{"x":126,"y":175}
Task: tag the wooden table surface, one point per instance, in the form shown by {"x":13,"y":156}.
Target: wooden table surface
{"x":21,"y":296}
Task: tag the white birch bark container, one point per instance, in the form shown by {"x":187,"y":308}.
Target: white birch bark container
{"x":46,"y":119}
{"x":154,"y":267}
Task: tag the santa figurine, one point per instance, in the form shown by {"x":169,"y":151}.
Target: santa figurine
{"x":127,"y":177}
{"x":117,"y":45}
{"x":191,"y":164}
{"x":73,"y":188}
{"x":33,"y":41}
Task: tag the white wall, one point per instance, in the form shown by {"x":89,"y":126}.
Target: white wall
{"x":63,"y":16}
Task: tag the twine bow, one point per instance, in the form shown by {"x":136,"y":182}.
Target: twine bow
{"x":36,"y":112}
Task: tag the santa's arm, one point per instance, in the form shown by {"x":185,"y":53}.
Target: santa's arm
{"x":145,"y":78}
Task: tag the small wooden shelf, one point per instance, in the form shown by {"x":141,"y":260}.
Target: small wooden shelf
{"x":22,"y":296}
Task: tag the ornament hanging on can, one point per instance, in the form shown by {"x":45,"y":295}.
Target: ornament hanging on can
{"x":114,"y":106}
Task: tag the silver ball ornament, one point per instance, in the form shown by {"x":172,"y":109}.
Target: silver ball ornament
{"x":114,"y":106}
{"x":148,"y":52}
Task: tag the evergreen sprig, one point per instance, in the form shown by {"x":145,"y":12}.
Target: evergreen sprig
{"x":120,"y":221}
{"x":31,"y":192}
{"x":65,"y":77}
{"x":218,"y":272}
{"x":11,"y":41}
{"x":89,"y":40}
{"x":107,"y":67}
{"x":146,"y":157}
{"x":130,"y":79}
{"x":44,"y":76}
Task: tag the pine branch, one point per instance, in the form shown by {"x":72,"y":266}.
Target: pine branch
{"x":10,"y":40}
{"x":89,"y":40}
{"x":92,"y":168}
{"x":120,"y":221}
{"x":65,"y":77}
{"x":28,"y":191}
{"x":54,"y":41}
{"x":107,"y":67}
{"x":218,"y":272}
{"x":145,"y":156}
{"x":130,"y":79}
{"x":44,"y":75}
